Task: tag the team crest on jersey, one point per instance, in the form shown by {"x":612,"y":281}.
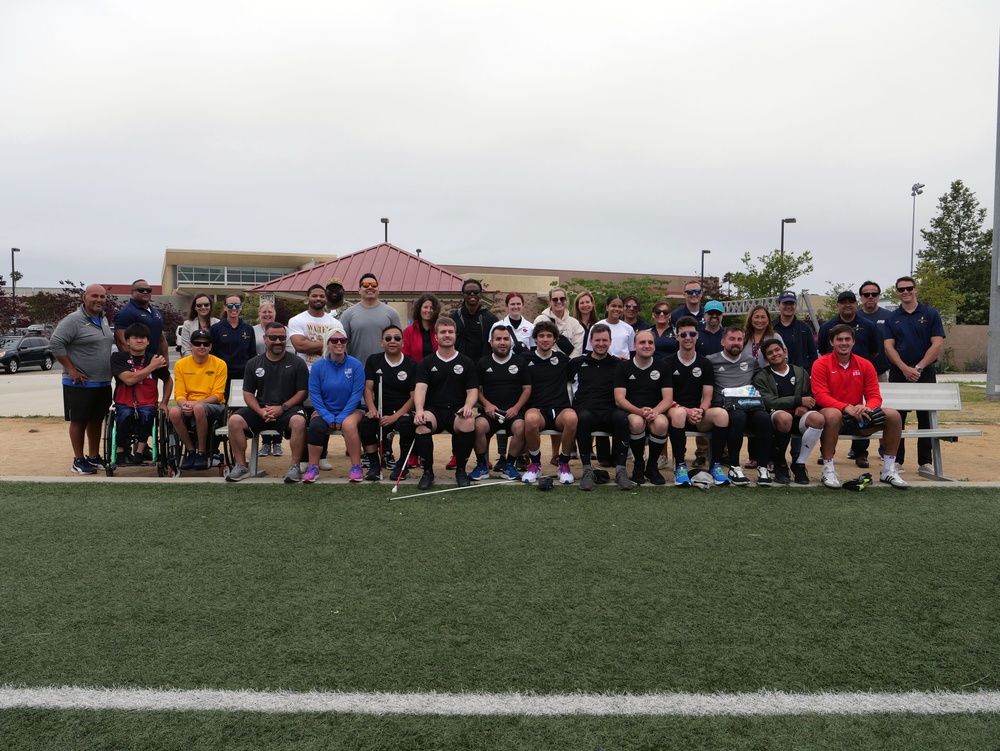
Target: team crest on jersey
{"x":744,"y":366}
{"x":458,"y":369}
{"x":401,"y":375}
{"x":348,"y":372}
{"x":259,"y":372}
{"x":792,"y":380}
{"x":696,"y":372}
{"x":856,"y":372}
{"x":554,"y":360}
{"x":654,"y":375}
{"x":512,"y":369}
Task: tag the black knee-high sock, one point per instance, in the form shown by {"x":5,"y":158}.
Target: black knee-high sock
{"x":717,"y":444}
{"x":656,"y":445}
{"x":423,"y":446}
{"x":638,"y":445}
{"x":678,"y":443}
{"x":462,"y":445}
{"x":779,"y":447}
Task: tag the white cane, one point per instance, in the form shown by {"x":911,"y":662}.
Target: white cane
{"x":380,"y":415}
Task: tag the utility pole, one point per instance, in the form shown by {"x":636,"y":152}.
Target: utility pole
{"x":993,"y":346}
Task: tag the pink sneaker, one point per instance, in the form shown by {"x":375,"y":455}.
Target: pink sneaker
{"x":312,"y":472}
{"x":356,"y":474}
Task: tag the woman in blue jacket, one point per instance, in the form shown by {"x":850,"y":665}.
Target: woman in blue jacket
{"x":336,"y":388}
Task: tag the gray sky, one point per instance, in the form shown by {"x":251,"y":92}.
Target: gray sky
{"x":623,"y":136}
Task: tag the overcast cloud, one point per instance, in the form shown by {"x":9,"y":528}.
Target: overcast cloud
{"x":623,"y":136}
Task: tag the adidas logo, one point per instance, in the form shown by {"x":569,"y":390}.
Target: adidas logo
{"x":434,"y":369}
{"x":631,"y":377}
{"x":489,"y":370}
{"x":676,"y":373}
{"x":379,"y":371}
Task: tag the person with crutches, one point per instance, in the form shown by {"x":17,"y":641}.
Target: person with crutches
{"x":389,"y":381}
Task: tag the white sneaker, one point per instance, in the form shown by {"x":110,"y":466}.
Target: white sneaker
{"x":566,"y":474}
{"x":891,"y":478}
{"x":929,"y":468}
{"x":830,"y":478}
{"x":898,"y":468}
{"x":661,"y":463}
{"x":763,"y":476}
{"x":324,"y":464}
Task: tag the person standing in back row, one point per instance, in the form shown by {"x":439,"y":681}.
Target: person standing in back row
{"x":365,"y":321}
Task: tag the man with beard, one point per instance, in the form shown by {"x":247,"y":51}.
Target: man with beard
{"x":643,"y":393}
{"x":593,"y":378}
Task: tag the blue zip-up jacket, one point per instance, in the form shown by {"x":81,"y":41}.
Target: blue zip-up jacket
{"x":336,"y":389}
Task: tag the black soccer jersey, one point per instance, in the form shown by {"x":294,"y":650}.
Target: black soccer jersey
{"x":502,"y":383}
{"x":784,"y":385}
{"x":643,"y":386}
{"x":447,"y":380}
{"x":274,"y":383}
{"x":593,"y":382}
{"x":397,"y":380}
{"x":689,"y":380}
{"x":549,"y":378}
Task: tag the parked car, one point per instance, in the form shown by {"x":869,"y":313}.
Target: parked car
{"x":17,"y":352}
{"x":40,"y":329}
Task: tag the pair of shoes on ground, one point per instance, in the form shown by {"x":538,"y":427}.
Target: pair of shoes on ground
{"x":831,"y":480}
{"x":194,"y":460}
{"x":534,"y":470}
{"x":738,"y":478}
{"x":84,"y":467}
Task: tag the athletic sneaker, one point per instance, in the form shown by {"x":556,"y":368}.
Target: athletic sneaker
{"x":681,"y":477}
{"x":356,"y":474}
{"x":654,"y":475}
{"x":830,"y":478}
{"x":265,"y":449}
{"x":622,"y":479}
{"x":373,"y":473}
{"x":891,"y":478}
{"x":736,"y":476}
{"x":324,"y":464}
{"x":587,"y":481}
{"x":293,"y":474}
{"x":566,"y":474}
{"x":781,"y":475}
{"x":189,"y":461}
{"x":661,"y":462}
{"x":509,"y":471}
{"x":462,"y":478}
{"x":237,"y":473}
{"x":312,"y":472}
{"x":96,"y":462}
{"x":426,"y":480}
{"x":276,"y":450}
{"x":800,"y":474}
{"x":480,"y":472}
{"x":83,"y":467}
{"x":388,"y":460}
{"x":200,"y":461}
{"x":531,"y":473}
{"x":413,"y":461}
{"x":452,"y":463}
{"x":365,"y":462}
{"x":764,"y":476}
{"x":898,"y":468}
{"x":638,"y":472}
{"x":699,"y":462}
{"x":718,"y":475}
{"x":394,"y":475}
{"x":134,"y":461}
{"x":926,"y":468}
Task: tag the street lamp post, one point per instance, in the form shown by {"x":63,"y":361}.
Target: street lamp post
{"x":783,"y":223}
{"x":915,"y":191}
{"x":703,"y":254}
{"x":386,"y":223}
{"x":13,"y":288}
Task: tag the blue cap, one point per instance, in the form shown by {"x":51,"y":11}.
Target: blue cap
{"x":713,"y":307}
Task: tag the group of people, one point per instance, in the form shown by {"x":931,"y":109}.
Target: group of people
{"x":568,"y":373}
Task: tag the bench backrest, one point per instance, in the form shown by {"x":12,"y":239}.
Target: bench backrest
{"x":922,"y":396}
{"x":236,"y":399}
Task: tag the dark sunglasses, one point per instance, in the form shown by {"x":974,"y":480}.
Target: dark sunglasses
{"x":276,"y":337}
{"x":392,"y":338}
{"x":203,"y":305}
{"x":472,"y":292}
{"x":630,"y":306}
{"x":558,"y":299}
{"x":692,"y":292}
{"x":232,"y":305}
{"x":142,"y":289}
{"x":369,"y":285}
{"x":686,"y":334}
{"x":870,"y":294}
{"x":337,"y":340}
{"x":905,"y":289}
{"x":661,"y":312}
{"x":201,"y":344}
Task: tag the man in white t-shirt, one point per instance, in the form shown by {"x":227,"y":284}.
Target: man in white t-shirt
{"x":309,"y":328}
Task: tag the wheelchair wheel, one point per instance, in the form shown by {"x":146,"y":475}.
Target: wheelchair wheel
{"x":158,"y":443}
{"x":110,"y":439}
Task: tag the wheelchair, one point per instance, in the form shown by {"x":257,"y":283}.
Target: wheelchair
{"x":174,"y":451}
{"x":115,"y":434}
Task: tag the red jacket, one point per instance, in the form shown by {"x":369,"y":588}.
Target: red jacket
{"x":413,"y":342}
{"x":836,"y":386}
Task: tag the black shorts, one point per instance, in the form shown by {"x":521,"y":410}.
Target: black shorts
{"x":495,"y":425}
{"x":549,"y":416}
{"x":256,"y":424}
{"x":86,"y":405}
{"x":443,"y":418}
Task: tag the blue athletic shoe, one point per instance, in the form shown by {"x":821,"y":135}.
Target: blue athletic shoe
{"x":509,"y":472}
{"x":481,"y":472}
{"x":681,"y":476}
{"x":718,"y":475}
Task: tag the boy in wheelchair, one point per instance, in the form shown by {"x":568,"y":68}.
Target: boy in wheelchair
{"x":136,"y":398}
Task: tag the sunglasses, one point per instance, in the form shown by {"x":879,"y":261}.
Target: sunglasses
{"x":692,"y":292}
{"x":337,"y":340}
{"x":558,"y":299}
{"x":905,"y":289}
{"x":472,"y":292}
{"x":686,"y":334}
{"x":630,"y":306}
{"x":870,"y":294}
{"x":392,"y":338}
{"x":369,"y":285}
{"x":142,"y":289}
{"x":203,"y":305}
{"x":201,"y":344}
{"x":661,"y":312}
{"x":232,"y":305}
{"x":276,"y":337}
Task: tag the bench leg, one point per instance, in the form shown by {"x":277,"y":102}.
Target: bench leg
{"x":252,"y":463}
{"x":938,"y":473}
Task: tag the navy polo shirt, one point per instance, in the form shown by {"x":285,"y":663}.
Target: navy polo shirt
{"x":150,"y":316}
{"x":709,"y":343}
{"x":879,"y":317}
{"x":911,"y":332}
{"x":866,"y":343}
{"x":799,"y":341}
{"x":234,"y":346}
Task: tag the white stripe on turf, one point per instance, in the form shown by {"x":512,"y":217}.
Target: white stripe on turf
{"x":761,"y":703}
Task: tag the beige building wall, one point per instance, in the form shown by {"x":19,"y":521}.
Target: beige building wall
{"x":963,"y":344}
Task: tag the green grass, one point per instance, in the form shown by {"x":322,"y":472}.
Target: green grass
{"x":498,"y":589}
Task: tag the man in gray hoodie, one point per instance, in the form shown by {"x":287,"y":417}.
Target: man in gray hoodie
{"x":82,"y":344}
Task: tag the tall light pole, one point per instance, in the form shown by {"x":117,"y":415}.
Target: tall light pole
{"x":915,"y":191}
{"x":13,"y":288}
{"x":703,"y":254}
{"x":783,"y":223}
{"x":386,"y":223}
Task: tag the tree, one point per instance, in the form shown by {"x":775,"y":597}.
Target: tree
{"x":648,"y":289}
{"x":777,"y":272}
{"x":960,"y":250}
{"x":939,"y":291}
{"x":829,"y":310}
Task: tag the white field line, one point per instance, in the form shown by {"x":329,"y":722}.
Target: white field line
{"x":763,"y":703}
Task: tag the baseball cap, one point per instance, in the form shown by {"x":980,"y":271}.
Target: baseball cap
{"x":202,"y":336}
{"x":713,"y":307}
{"x":847,"y":295}
{"x":788,"y":296}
